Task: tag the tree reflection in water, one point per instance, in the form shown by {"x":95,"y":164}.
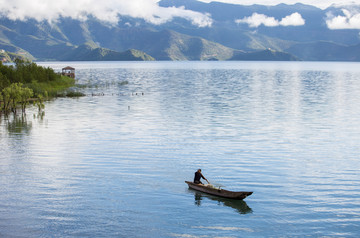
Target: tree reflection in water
{"x":239,"y":205}
{"x":18,"y":124}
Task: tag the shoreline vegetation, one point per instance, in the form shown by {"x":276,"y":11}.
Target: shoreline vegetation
{"x":26,"y":82}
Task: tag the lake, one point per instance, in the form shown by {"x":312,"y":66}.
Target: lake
{"x":113,"y":163}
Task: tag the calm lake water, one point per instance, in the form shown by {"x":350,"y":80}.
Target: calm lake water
{"x":113,"y":163}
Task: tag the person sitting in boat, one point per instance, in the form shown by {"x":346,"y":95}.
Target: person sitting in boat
{"x":198,"y":176}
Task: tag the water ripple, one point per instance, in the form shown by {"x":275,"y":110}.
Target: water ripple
{"x":113,"y":163}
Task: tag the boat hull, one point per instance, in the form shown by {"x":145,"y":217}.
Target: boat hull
{"x":218,"y":192}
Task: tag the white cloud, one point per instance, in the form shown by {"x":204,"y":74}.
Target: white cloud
{"x":106,"y":10}
{"x":294,"y":19}
{"x":350,"y":20}
{"x":256,"y":19}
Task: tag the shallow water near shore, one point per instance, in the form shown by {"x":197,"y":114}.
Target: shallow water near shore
{"x":113,"y":163}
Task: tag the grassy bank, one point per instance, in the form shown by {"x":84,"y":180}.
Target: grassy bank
{"x":53,"y":88}
{"x":26,"y":81}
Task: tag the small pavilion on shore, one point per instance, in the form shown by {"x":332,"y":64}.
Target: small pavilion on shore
{"x":68,"y":71}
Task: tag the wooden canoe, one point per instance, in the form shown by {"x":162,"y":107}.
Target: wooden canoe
{"x":218,"y":192}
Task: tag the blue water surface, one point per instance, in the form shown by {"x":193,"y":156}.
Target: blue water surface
{"x":113,"y":163}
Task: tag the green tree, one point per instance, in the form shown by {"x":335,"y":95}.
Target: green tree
{"x":4,"y":81}
{"x":16,"y":94}
{"x":6,"y":98}
{"x":40,"y":102}
{"x":25,"y":95}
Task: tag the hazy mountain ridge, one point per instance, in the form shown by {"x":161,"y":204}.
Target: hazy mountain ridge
{"x":281,"y":38}
{"x":225,"y":16}
{"x":58,"y":42}
{"x":326,"y":51}
{"x":265,"y":55}
{"x":90,"y":52}
{"x":226,"y":39}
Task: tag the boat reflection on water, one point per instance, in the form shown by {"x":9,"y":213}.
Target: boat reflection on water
{"x":239,"y":205}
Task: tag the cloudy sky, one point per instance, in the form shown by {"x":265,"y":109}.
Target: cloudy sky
{"x":109,"y":10}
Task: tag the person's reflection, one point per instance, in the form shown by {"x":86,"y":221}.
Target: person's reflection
{"x":239,"y":205}
{"x":198,"y":199}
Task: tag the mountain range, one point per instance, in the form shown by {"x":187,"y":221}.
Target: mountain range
{"x":235,"y":34}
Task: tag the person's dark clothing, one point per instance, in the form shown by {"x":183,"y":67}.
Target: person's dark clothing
{"x":197,"y":177}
